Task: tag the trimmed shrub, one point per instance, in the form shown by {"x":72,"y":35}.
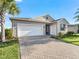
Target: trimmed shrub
{"x":60,"y":34}
{"x":8,"y":34}
{"x":70,"y":33}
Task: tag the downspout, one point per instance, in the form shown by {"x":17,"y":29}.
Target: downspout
{"x":56,"y":29}
{"x":16,"y":30}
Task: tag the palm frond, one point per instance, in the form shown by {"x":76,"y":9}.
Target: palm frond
{"x":13,"y":10}
{"x":78,"y":9}
{"x":9,"y":7}
{"x":77,"y":18}
{"x":77,"y":12}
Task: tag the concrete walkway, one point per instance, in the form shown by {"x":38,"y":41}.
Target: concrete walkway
{"x":47,"y":48}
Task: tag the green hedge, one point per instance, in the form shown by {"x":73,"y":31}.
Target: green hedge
{"x":70,"y":33}
{"x":8,"y":34}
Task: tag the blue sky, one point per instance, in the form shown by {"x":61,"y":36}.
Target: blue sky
{"x":55,"y":8}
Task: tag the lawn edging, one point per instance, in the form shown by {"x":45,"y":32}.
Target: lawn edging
{"x":68,"y":37}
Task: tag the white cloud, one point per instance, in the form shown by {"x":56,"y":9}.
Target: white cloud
{"x":18,"y":0}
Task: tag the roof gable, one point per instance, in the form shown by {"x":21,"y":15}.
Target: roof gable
{"x":45,"y":18}
{"x":59,"y":20}
{"x":48,"y":17}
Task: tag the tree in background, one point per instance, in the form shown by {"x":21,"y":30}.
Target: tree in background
{"x":7,"y":7}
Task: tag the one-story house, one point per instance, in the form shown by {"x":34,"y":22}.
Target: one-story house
{"x":73,"y":28}
{"x":43,"y":25}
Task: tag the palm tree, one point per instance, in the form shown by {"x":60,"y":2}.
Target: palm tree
{"x":77,"y":17}
{"x":7,"y":7}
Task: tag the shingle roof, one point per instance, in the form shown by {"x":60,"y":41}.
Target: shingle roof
{"x":29,"y":20}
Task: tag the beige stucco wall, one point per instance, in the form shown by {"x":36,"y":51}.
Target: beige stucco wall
{"x":62,"y":22}
{"x":73,"y":28}
{"x":53,"y":29}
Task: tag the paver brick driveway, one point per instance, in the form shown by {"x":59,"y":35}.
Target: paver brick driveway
{"x":47,"y":48}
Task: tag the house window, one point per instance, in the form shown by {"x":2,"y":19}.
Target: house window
{"x":62,"y":26}
{"x":46,"y":17}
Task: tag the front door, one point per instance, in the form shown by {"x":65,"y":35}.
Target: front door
{"x":47,"y":29}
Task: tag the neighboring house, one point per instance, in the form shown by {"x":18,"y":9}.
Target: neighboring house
{"x":43,"y":25}
{"x":73,"y":28}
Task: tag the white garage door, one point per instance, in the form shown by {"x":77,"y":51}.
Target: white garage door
{"x":30,"y":30}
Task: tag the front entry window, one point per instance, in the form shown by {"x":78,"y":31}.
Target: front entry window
{"x":62,"y":27}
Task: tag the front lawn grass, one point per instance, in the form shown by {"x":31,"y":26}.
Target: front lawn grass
{"x":74,"y":39}
{"x":9,"y":50}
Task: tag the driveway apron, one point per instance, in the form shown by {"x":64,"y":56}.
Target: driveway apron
{"x":47,"y":48}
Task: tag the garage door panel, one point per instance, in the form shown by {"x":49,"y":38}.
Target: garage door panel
{"x":31,"y":30}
